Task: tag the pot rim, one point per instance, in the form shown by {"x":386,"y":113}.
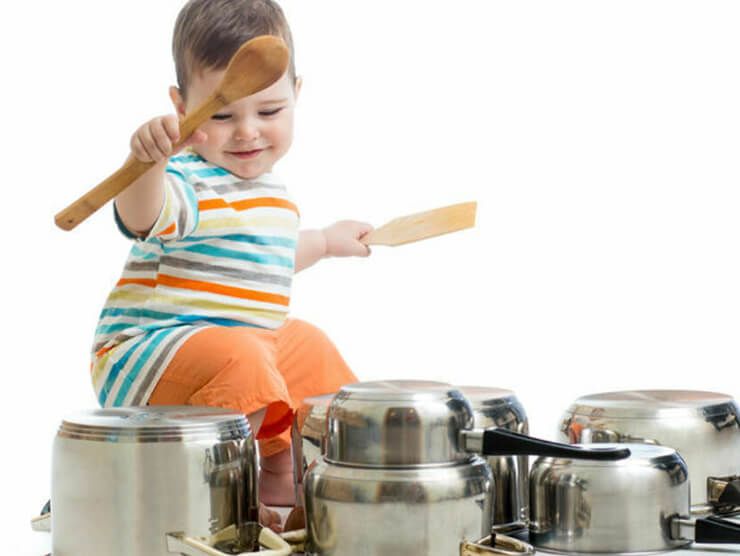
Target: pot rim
{"x":648,"y":404}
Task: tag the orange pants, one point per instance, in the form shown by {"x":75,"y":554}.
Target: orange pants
{"x":248,"y":369}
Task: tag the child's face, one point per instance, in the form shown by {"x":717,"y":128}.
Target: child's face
{"x":248,"y":136}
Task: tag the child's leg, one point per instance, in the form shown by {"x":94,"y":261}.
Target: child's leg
{"x":311,"y":365}
{"x":276,"y":479}
{"x":232,"y":368}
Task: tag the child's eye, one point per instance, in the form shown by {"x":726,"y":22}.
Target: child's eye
{"x":221,"y":116}
{"x":270,"y":112}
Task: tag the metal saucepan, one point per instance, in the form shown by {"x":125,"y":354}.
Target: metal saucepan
{"x":308,"y":438}
{"x":156,"y":481}
{"x":497,"y":407}
{"x":492,"y":407}
{"x":401,"y":472}
{"x":639,"y":504}
{"x":702,"y":426}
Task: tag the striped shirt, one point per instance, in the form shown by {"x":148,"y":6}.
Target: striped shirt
{"x":221,"y":253}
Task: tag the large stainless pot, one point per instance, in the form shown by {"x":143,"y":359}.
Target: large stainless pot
{"x":497,"y":407}
{"x":154,"y":481}
{"x":703,"y":427}
{"x":400,"y":474}
{"x":636,"y":505}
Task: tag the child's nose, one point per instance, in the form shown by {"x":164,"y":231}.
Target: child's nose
{"x":246,"y":130}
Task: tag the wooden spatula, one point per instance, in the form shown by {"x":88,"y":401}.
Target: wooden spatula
{"x":423,"y":225}
{"x":256,"y":65}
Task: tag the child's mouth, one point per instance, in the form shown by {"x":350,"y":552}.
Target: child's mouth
{"x":246,"y":154}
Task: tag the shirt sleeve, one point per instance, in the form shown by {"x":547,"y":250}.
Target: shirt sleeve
{"x":179,"y":215}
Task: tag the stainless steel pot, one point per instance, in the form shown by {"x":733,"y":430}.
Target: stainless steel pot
{"x":155,"y":481}
{"x":639,"y":504}
{"x":497,"y":407}
{"x":703,"y":427}
{"x":400,"y":474}
{"x":308,"y":438}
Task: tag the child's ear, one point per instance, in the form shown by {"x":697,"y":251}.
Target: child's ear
{"x":297,"y":86}
{"x":177,"y":101}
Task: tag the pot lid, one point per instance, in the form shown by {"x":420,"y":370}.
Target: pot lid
{"x":396,"y":390}
{"x":640,"y":455}
{"x":153,"y":423}
{"x":319,"y":401}
{"x":646,"y":404}
{"x":483,"y":395}
{"x":495,"y":407}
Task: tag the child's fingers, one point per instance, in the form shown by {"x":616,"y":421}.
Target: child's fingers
{"x":172,"y":127}
{"x":363,"y":228}
{"x":139,"y":150}
{"x":161,"y":140}
{"x":360,"y":249}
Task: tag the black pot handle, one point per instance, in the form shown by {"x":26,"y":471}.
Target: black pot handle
{"x":731,"y":493}
{"x":502,"y":442}
{"x":715,"y":530}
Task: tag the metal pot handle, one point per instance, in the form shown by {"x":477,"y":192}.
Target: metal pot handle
{"x":498,"y":442}
{"x":41,"y":522}
{"x":180,"y":543}
{"x":724,"y":491}
{"x":710,"y":529}
{"x":496,"y":544}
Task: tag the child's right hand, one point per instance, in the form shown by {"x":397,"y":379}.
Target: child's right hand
{"x":156,"y":139}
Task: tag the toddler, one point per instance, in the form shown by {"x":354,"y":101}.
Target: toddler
{"x":199,"y":314}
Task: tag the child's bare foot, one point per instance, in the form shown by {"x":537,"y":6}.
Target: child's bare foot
{"x":270,"y":518}
{"x":295,"y":520}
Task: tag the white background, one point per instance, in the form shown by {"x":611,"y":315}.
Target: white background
{"x":601,"y":140}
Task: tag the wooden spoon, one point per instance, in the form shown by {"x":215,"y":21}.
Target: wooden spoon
{"x":423,"y":225}
{"x":256,"y":65}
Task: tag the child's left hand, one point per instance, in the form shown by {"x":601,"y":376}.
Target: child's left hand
{"x":343,"y":239}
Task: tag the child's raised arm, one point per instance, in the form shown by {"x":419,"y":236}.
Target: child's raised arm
{"x":140,"y":204}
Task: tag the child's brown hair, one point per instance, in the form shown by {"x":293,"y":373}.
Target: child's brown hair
{"x":209,"y":32}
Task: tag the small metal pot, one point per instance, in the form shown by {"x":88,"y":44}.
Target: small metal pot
{"x":703,"y":427}
{"x":639,"y":504}
{"x":497,"y":407}
{"x":155,"y":481}
{"x":401,"y":474}
{"x":308,"y":438}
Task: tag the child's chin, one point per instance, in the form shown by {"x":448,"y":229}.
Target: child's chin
{"x":248,"y":175}
{"x":247,"y":172}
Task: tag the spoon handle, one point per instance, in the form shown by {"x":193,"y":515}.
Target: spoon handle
{"x":132,"y":169}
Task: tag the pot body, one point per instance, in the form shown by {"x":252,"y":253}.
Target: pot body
{"x":617,"y":507}
{"x":123,"y":478}
{"x":369,"y":511}
{"x":702,"y":426}
{"x":397,"y":423}
{"x":495,"y":407}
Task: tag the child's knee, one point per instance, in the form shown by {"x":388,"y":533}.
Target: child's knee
{"x":247,"y":345}
{"x":313,"y":336}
